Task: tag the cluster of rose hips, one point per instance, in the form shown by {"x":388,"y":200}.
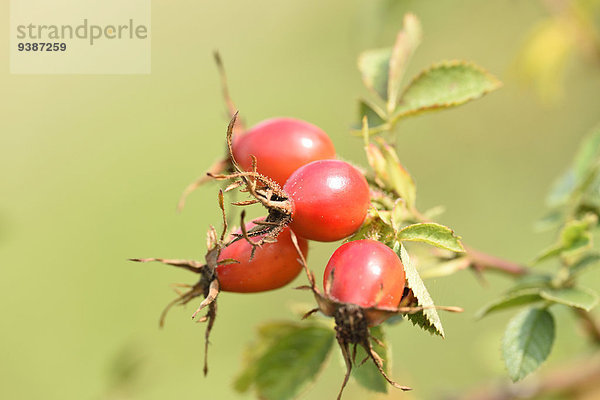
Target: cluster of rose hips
{"x":290,"y":167}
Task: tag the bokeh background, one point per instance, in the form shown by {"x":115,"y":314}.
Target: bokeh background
{"x":91,"y":168}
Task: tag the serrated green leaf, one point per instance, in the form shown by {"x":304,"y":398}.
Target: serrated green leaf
{"x":429,"y":318}
{"x":432,"y":233}
{"x":527,"y":342}
{"x":367,"y":374}
{"x":511,"y":300}
{"x":583,"y":298}
{"x":374,"y":68}
{"x":445,"y":85}
{"x":407,"y":41}
{"x":291,"y":362}
{"x":419,"y":319}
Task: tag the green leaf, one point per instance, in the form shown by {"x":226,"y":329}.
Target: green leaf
{"x":292,"y":362}
{"x":427,"y":319}
{"x":268,"y":334}
{"x":432,"y":233}
{"x":587,"y":261}
{"x":374,"y":114}
{"x":580,"y":176}
{"x":574,"y":236}
{"x":287,"y":364}
{"x":511,"y":300}
{"x":579,"y":186}
{"x":445,"y":85}
{"x":539,"y":281}
{"x":367,"y":374}
{"x":562,"y":189}
{"x":374,"y":68}
{"x":527,"y":342}
{"x":583,"y":298}
{"x":551,"y":220}
{"x":396,"y":177}
{"x":407,"y":41}
{"x":422,"y":321}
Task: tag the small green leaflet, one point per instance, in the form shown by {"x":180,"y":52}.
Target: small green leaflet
{"x":287,"y":361}
{"x":407,"y":41}
{"x":382,"y":69}
{"x":268,"y":334}
{"x":584,"y":163}
{"x":367,"y":374}
{"x":527,"y":342}
{"x":445,"y":85}
{"x":511,"y":300}
{"x":533,"y":281}
{"x":582,"y":298}
{"x":432,"y":233}
{"x":427,"y":319}
{"x":574,"y":236}
{"x":375,"y":116}
{"x":396,"y":177}
{"x":374,"y":67}
{"x":583,"y":264}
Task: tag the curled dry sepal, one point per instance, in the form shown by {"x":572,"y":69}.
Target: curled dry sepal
{"x":207,"y":286}
{"x":263,"y":191}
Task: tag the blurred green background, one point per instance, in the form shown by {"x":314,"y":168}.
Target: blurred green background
{"x":91,"y":168}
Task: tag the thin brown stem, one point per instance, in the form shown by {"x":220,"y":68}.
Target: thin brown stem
{"x":483,"y":261}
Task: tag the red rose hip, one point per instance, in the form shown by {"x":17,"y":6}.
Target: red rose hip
{"x":329,"y":198}
{"x":274,"y":265}
{"x":366,"y":273}
{"x":282,"y":145}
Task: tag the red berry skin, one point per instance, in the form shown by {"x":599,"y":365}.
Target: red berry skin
{"x":330,"y":199}
{"x":274,"y":264}
{"x":281,"y":146}
{"x":366,"y":273}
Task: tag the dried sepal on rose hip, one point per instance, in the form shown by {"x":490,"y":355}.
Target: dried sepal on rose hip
{"x":235,"y":265}
{"x":325,"y":200}
{"x":280,"y":145}
{"x":364,"y":285}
